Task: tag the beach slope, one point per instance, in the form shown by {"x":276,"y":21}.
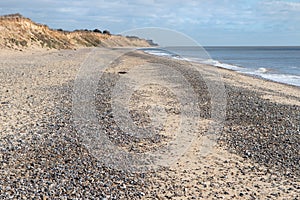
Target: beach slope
{"x":42,"y":154}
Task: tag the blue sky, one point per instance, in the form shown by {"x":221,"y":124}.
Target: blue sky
{"x":210,"y":22}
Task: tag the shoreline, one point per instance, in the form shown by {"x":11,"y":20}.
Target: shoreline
{"x":250,"y":78}
{"x":255,"y":157}
{"x":239,"y":68}
{"x":258,"y":77}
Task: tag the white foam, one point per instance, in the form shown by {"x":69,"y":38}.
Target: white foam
{"x":228,"y":66}
{"x":262,"y":72}
{"x":158,"y":53}
{"x":283,"y":78}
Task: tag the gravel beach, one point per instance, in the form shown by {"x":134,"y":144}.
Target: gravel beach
{"x":42,"y":156}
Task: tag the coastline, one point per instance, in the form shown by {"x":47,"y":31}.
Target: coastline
{"x":39,"y":140}
{"x":267,"y":67}
{"x":250,"y":79}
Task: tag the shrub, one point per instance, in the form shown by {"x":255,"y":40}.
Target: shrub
{"x":106,"y":32}
{"x":97,"y":31}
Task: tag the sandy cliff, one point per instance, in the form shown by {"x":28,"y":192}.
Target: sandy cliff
{"x":18,"y":32}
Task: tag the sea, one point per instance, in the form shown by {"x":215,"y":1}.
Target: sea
{"x":279,"y":64}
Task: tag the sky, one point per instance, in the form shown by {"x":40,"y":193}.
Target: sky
{"x":209,"y":22}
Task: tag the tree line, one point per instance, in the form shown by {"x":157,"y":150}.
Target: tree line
{"x":106,"y":32}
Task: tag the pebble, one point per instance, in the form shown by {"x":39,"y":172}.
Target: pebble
{"x":42,"y":157}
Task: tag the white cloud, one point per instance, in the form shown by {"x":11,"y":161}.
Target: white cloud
{"x":192,"y":16}
{"x":283,"y":5}
{"x":284,"y":9}
{"x":281,"y":15}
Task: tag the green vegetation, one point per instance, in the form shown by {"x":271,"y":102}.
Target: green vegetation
{"x":106,"y":32}
{"x":97,"y":31}
{"x":22,"y":43}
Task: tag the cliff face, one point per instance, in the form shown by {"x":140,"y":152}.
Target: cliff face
{"x":18,"y":32}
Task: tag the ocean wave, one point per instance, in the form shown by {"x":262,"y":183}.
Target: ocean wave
{"x":283,"y":78}
{"x":223,"y":65}
{"x":157,"y":53}
{"x":261,"y":72}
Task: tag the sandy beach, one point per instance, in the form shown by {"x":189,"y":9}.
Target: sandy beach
{"x":42,"y":156}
